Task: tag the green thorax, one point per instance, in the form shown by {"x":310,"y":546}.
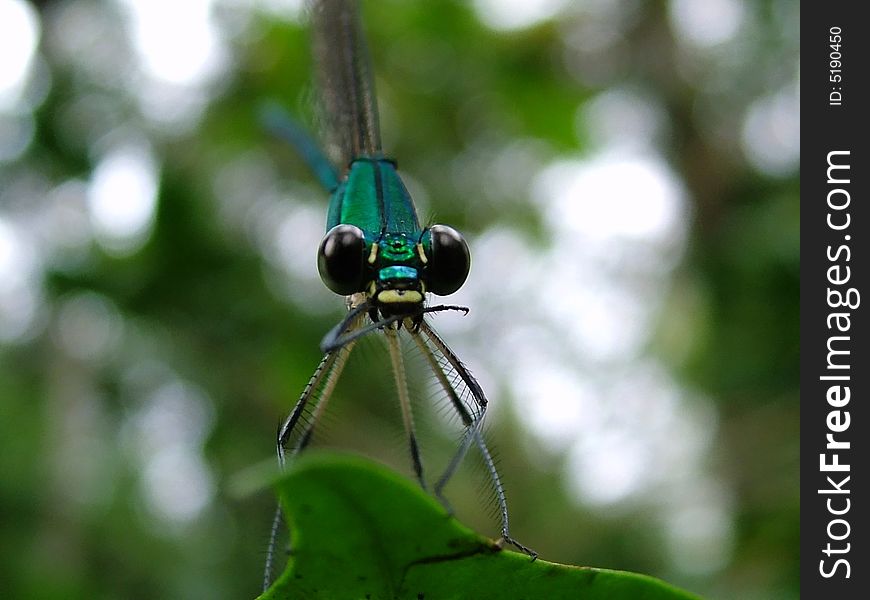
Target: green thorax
{"x":373,"y":197}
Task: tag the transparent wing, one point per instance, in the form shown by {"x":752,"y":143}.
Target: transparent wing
{"x":298,"y":428}
{"x":468,"y":401}
{"x":344,"y":81}
{"x":296,"y":431}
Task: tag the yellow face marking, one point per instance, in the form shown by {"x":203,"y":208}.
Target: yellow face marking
{"x":422,"y":253}
{"x":373,"y":255}
{"x":400,"y":297}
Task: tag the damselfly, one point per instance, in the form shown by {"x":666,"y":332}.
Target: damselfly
{"x":377,"y":255}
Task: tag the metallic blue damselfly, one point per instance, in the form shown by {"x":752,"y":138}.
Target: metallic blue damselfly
{"x":377,"y":255}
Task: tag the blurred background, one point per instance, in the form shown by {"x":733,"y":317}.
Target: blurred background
{"x":625,"y":172}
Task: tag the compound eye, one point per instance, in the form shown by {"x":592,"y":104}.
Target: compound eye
{"x":449,"y":262}
{"x":341,"y":259}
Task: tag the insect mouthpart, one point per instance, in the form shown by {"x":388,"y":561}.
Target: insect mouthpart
{"x":398,"y":286}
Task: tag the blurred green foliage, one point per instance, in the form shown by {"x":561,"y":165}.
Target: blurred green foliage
{"x":199,"y":304}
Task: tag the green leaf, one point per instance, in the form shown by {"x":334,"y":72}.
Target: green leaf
{"x":362,"y":531}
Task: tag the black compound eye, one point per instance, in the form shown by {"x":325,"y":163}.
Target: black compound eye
{"x":449,"y":260}
{"x":341,"y":259}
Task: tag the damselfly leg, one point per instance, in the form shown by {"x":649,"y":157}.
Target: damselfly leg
{"x":438,"y":356}
{"x":306,"y":413}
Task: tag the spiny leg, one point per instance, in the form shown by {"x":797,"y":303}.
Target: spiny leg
{"x":289,"y":426}
{"x":284,"y":433}
{"x":437,"y":369}
{"x":500,"y":494}
{"x":405,"y":401}
{"x":455,"y":400}
{"x":327,"y":371}
{"x":472,"y":425}
{"x":270,"y":551}
{"x":325,"y":394}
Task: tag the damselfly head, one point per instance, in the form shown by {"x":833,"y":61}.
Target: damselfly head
{"x":394,"y":270}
